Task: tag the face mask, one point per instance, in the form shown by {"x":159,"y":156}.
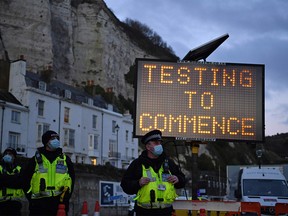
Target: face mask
{"x":8,"y":159}
{"x":54,"y":144}
{"x":158,"y":150}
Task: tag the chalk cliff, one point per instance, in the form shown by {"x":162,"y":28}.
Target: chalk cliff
{"x":81,"y":40}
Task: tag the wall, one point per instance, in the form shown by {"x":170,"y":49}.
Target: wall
{"x":87,"y":189}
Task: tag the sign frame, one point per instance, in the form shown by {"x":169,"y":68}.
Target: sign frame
{"x":255,"y":99}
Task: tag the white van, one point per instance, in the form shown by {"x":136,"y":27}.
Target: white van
{"x":267,"y":186}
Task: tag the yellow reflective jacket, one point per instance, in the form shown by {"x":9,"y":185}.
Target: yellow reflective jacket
{"x":158,"y":193}
{"x":11,"y":193}
{"x":50,"y":179}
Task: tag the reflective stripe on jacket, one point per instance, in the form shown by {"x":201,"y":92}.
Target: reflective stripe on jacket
{"x":11,"y":193}
{"x":50,"y":179}
{"x":158,"y":193}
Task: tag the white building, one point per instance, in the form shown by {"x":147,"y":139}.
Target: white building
{"x":13,"y":121}
{"x":90,"y":131}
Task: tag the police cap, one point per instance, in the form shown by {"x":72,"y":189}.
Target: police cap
{"x":152,"y":135}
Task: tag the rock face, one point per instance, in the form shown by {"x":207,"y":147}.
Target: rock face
{"x":81,"y":40}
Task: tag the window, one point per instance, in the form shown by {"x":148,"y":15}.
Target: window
{"x":69,"y":138}
{"x":94,"y":161}
{"x":112,"y":148}
{"x":41,"y":128}
{"x":66,"y":114}
{"x":265,"y":187}
{"x":126,"y":135}
{"x":96,"y":143}
{"x":113,"y":126}
{"x":94,"y":121}
{"x":41,"y":107}
{"x":14,"y":139}
{"x":42,"y":85}
{"x":90,"y":141}
{"x":93,"y":141}
{"x":15,"y":117}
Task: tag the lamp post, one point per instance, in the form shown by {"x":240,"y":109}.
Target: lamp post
{"x":194,"y":173}
{"x":117,"y":130}
{"x":259,"y":153}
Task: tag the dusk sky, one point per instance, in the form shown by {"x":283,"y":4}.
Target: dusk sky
{"x":258,"y":34}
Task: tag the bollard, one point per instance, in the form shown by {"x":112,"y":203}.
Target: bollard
{"x":97,"y":209}
{"x":84,"y":209}
{"x":61,"y":210}
{"x":202,"y":212}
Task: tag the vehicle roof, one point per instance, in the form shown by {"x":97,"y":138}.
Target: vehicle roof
{"x":262,"y":173}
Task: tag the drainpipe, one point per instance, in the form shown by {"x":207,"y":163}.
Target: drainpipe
{"x":102,"y":126}
{"x":2,"y":123}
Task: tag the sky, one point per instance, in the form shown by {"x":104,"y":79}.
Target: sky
{"x":258,"y":34}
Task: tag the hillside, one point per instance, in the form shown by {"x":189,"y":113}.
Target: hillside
{"x":213,"y":155}
{"x":278,"y":143}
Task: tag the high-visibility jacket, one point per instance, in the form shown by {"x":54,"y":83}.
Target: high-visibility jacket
{"x":50,"y":179}
{"x":158,"y":193}
{"x":11,"y":193}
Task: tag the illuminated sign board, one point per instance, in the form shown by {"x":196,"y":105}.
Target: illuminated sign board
{"x":200,"y":100}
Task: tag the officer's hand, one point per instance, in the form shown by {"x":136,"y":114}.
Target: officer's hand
{"x":144,"y":181}
{"x":173,"y":179}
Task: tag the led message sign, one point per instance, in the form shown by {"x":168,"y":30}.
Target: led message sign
{"x":200,"y":100}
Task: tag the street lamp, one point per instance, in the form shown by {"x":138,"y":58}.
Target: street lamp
{"x":117,"y":130}
{"x":259,"y":153}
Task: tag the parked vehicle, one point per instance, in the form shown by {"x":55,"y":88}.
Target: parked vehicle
{"x":266,"y":185}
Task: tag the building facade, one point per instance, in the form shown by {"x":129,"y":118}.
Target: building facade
{"x":90,"y":131}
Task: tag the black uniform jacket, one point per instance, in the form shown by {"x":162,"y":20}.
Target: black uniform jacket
{"x":130,"y":180}
{"x":46,"y":205}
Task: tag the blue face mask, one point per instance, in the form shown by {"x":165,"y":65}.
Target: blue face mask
{"x":158,"y":150}
{"x":54,"y":144}
{"x":8,"y":159}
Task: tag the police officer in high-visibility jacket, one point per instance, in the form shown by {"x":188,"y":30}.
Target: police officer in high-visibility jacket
{"x":153,"y":177}
{"x":49,"y":177}
{"x":10,"y":198}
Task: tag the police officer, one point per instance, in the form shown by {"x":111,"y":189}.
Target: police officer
{"x":49,"y":177}
{"x":153,"y":177}
{"x":10,"y":198}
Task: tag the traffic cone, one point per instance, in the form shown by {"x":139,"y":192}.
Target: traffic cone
{"x":202,"y":212}
{"x":84,"y":209}
{"x":97,"y":209}
{"x":61,"y":210}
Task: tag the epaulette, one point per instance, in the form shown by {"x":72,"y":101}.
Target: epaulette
{"x":38,"y":157}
